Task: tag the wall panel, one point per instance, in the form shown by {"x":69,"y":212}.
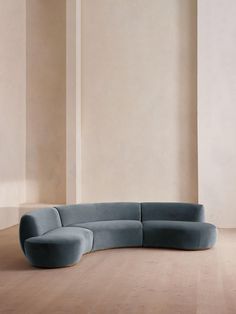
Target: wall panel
{"x":217,"y":110}
{"x":139,"y":127}
{"x":46,"y":101}
{"x":12,"y":109}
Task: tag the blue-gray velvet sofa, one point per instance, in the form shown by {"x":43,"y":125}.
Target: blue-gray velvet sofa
{"x":59,"y":236}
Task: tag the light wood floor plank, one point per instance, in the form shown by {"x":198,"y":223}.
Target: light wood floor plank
{"x":120,"y":281}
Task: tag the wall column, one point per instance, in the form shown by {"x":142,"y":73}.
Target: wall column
{"x":73,"y":101}
{"x":216,"y":110}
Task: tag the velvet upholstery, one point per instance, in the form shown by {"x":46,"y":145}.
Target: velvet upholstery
{"x":60,"y":247}
{"x":57,"y":237}
{"x":115,"y":233}
{"x":178,"y":234}
{"x":81,"y":213}
{"x":38,"y":222}
{"x":172,"y":211}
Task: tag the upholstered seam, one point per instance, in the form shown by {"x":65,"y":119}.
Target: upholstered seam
{"x":59,"y":216}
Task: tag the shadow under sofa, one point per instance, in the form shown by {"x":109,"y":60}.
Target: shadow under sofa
{"x":59,"y":236}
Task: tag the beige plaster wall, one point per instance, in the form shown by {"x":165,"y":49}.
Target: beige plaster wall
{"x":73,"y":101}
{"x":139,"y":127}
{"x":216,"y":109}
{"x":46,"y":101}
{"x":12,"y":109}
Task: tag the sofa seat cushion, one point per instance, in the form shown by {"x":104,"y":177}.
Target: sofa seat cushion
{"x":114,"y":233}
{"x":60,"y":247}
{"x":179,"y":234}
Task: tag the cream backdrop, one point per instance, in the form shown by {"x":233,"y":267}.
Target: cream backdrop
{"x":139,"y":125}
{"x":217,"y":109}
{"x":46,"y":101}
{"x":12,"y":109}
{"x":73,"y":101}
{"x":132,"y":114}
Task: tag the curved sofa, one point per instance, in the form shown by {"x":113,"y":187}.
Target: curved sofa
{"x":59,"y":236}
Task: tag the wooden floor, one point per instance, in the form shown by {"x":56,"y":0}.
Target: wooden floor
{"x":122,"y":281}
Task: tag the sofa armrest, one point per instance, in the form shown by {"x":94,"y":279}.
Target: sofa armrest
{"x":37,"y":223}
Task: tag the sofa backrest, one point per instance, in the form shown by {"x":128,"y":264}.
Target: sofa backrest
{"x":38,"y":222}
{"x":172,"y":211}
{"x":80,"y":213}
